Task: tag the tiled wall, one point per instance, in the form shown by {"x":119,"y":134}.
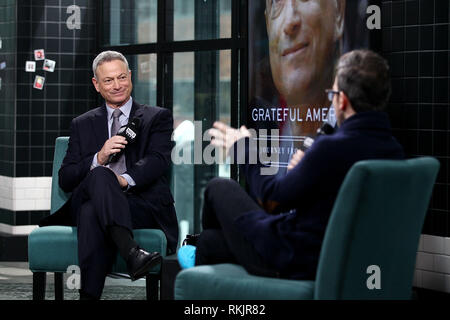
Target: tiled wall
{"x":31,"y":119}
{"x":7,"y":89}
{"x":415,"y":37}
{"x":416,"y":40}
{"x":43,"y":115}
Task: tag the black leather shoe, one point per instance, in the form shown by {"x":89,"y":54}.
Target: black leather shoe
{"x":140,"y":262}
{"x":191,"y":239}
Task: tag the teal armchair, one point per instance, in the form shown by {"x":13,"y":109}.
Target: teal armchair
{"x":54,"y":248}
{"x":370,"y":245}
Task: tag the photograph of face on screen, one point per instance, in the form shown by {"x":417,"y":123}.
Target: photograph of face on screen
{"x":293,"y":49}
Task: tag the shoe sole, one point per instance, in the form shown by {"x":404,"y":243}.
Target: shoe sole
{"x":143,"y":271}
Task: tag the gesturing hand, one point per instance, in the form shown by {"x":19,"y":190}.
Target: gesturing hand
{"x":112,"y":145}
{"x":224,"y":136}
{"x":296,"y":158}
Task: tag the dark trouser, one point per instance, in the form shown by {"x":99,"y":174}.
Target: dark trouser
{"x":220,"y":241}
{"x":97,"y":204}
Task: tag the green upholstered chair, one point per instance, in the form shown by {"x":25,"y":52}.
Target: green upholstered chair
{"x":54,"y":248}
{"x":376,"y":221}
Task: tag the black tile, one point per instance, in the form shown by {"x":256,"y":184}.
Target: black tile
{"x":36,"y":169}
{"x":37,"y":14}
{"x":426,"y":11}
{"x":53,"y":14}
{"x":51,"y":107}
{"x":22,"y":154}
{"x":24,"y":13}
{"x":387,"y":39}
{"x":440,"y":143}
{"x":53,"y":30}
{"x":37,"y":139}
{"x":441,"y":89}
{"x":22,"y":169}
{"x":52,"y":46}
{"x":441,"y":64}
{"x":48,"y":167}
{"x":412,"y":12}
{"x":22,"y":123}
{"x":66,"y":45}
{"x":37,"y":107}
{"x":426,"y":37}
{"x":441,"y":114}
{"x":425,"y":117}
{"x":398,"y":13}
{"x":396,"y":63}
{"x":441,"y":37}
{"x":22,"y":218}
{"x":22,"y":139}
{"x":52,"y":91}
{"x":441,"y":11}
{"x":38,"y":30}
{"x":412,"y":64}
{"x":412,"y":38}
{"x":23,"y":107}
{"x":52,"y":123}
{"x":443,"y":171}
{"x":37,"y":123}
{"x":426,"y":64}
{"x":411,"y":90}
{"x":398,"y":39}
{"x":425,"y":143}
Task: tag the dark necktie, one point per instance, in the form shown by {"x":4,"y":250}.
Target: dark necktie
{"x":118,"y":167}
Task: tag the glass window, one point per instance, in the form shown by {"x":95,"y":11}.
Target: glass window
{"x":129,"y":22}
{"x":143,"y":74}
{"x":201,"y":95}
{"x":201,"y":19}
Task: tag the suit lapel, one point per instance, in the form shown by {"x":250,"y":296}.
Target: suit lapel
{"x":100,"y":124}
{"x":131,"y":151}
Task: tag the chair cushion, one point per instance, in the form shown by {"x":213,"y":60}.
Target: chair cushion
{"x":54,"y":248}
{"x":232,"y":282}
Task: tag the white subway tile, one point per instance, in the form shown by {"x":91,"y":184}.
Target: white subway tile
{"x":42,"y":204}
{"x":19,"y":194}
{"x":25,"y":204}
{"x":421,"y":243}
{"x":24,"y":183}
{"x":442,"y":264}
{"x":433,"y":281}
{"x":43,"y":182}
{"x":433,"y":244}
{"x":417,"y":282}
{"x":34,"y":193}
{"x":447,"y":246}
{"x":425,"y":261}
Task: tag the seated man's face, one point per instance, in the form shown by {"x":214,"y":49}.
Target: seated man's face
{"x":302,"y":43}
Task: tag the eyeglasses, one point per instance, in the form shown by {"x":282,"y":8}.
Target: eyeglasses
{"x":331,"y":93}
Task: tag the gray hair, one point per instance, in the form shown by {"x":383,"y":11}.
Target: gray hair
{"x":107,"y":56}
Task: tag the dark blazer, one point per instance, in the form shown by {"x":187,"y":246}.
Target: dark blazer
{"x":290,"y":241}
{"x":147,"y":159}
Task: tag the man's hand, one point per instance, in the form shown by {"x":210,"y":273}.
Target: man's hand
{"x":122,"y":181}
{"x":224,"y":136}
{"x":112,"y":145}
{"x":296,"y":158}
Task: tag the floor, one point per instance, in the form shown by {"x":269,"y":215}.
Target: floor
{"x":16,"y":284}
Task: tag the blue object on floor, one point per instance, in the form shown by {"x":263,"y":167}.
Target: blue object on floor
{"x":186,"y":256}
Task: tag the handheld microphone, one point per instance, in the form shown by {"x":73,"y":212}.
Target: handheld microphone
{"x":326,"y":128}
{"x":130,"y":132}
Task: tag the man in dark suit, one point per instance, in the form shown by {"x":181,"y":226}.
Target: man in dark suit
{"x":109,"y":200}
{"x":279,"y":232}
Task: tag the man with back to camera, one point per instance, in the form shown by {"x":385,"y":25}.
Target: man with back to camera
{"x":280,"y":234}
{"x":109,"y":200}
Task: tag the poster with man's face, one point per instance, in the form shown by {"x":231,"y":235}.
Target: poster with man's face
{"x":293,"y":48}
